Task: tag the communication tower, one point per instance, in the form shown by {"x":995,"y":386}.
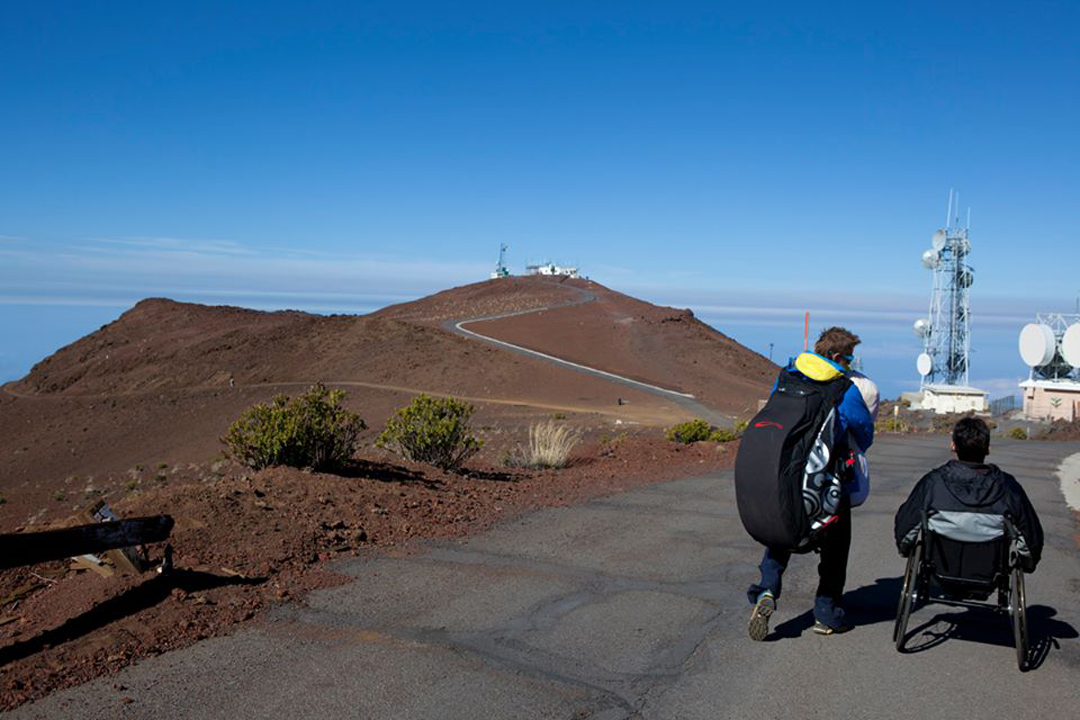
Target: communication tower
{"x":946,"y":333}
{"x":501,"y":270}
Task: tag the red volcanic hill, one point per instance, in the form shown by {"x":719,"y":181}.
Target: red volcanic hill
{"x":162,"y":383}
{"x":165,"y":345}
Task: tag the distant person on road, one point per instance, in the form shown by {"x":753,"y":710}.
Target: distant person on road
{"x":830,"y":362}
{"x":970,"y":498}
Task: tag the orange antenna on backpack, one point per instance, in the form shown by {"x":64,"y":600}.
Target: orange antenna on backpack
{"x":806,"y":332}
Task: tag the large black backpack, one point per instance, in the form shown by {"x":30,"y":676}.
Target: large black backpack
{"x":787,"y":475}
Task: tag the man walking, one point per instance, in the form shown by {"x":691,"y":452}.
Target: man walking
{"x":830,"y":362}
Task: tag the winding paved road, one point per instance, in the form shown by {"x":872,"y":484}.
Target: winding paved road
{"x":630,"y":606}
{"x":684,"y":400}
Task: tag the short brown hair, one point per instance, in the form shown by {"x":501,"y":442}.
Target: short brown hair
{"x":836,"y":340}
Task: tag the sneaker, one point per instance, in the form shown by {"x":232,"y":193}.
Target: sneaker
{"x":822,"y":629}
{"x":759,"y":618}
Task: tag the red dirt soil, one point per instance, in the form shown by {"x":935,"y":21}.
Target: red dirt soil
{"x":132,"y":414}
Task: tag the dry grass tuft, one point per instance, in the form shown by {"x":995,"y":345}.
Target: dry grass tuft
{"x":550,"y":445}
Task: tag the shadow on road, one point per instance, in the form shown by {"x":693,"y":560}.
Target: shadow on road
{"x":135,"y":599}
{"x":866,"y":605}
{"x":992,"y":628}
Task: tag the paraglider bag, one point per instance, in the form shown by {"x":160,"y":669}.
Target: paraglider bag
{"x":787,"y":475}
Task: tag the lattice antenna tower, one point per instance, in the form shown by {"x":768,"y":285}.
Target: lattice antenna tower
{"x":501,"y":270}
{"x":946,"y":332}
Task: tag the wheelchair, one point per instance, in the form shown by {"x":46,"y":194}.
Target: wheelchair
{"x":965,"y":574}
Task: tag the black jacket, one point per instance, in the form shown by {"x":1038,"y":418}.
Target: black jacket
{"x":968,"y":500}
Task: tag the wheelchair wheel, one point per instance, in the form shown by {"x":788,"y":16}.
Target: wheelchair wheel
{"x":908,"y":593}
{"x":1018,"y":612}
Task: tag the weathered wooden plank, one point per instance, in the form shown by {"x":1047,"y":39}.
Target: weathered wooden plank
{"x":18,"y":549}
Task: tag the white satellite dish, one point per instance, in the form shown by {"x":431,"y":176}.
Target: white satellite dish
{"x":930,"y":259}
{"x":1037,"y":344}
{"x":924,"y":363}
{"x":921,"y":327}
{"x":1070,"y":345}
{"x":938,"y":241}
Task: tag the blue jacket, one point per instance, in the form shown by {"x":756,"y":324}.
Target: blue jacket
{"x":852,"y":414}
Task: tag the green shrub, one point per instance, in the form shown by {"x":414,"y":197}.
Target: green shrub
{"x":1018,"y":433}
{"x":311,"y":431}
{"x":724,"y":435}
{"x":892,"y":425}
{"x":693,"y":431}
{"x":432,"y":430}
{"x":690,"y":431}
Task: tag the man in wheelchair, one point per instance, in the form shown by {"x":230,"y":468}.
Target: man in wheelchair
{"x":971,"y":502}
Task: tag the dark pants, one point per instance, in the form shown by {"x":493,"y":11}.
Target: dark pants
{"x":832,"y":570}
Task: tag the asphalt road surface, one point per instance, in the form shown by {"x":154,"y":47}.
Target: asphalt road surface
{"x":630,"y":606}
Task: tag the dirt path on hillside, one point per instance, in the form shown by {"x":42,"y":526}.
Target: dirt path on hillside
{"x":645,"y":416}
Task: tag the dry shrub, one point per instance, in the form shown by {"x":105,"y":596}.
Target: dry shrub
{"x":550,"y":445}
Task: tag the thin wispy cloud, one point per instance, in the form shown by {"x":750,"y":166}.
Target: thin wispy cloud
{"x":203,"y":247}
{"x":128,"y":269}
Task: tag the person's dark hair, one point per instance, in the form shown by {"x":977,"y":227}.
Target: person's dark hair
{"x":971,"y":438}
{"x":836,"y":341}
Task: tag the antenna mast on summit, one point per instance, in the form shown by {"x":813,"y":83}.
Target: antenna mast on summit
{"x":946,"y":332}
{"x":501,"y":270}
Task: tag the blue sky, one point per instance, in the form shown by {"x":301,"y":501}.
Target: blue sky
{"x":748,"y":162}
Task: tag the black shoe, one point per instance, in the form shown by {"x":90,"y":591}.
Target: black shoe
{"x":759,"y":618}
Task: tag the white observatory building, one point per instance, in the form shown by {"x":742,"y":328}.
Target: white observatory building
{"x":946,"y":333}
{"x":1050,"y":346}
{"x":550,"y":268}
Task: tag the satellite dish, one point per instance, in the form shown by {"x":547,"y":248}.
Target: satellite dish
{"x":938,"y":241}
{"x":925,"y":364}
{"x":1037,"y":345}
{"x":930,"y":259}
{"x":921,"y":327}
{"x":1070,"y":345}
{"x":965,"y":279}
